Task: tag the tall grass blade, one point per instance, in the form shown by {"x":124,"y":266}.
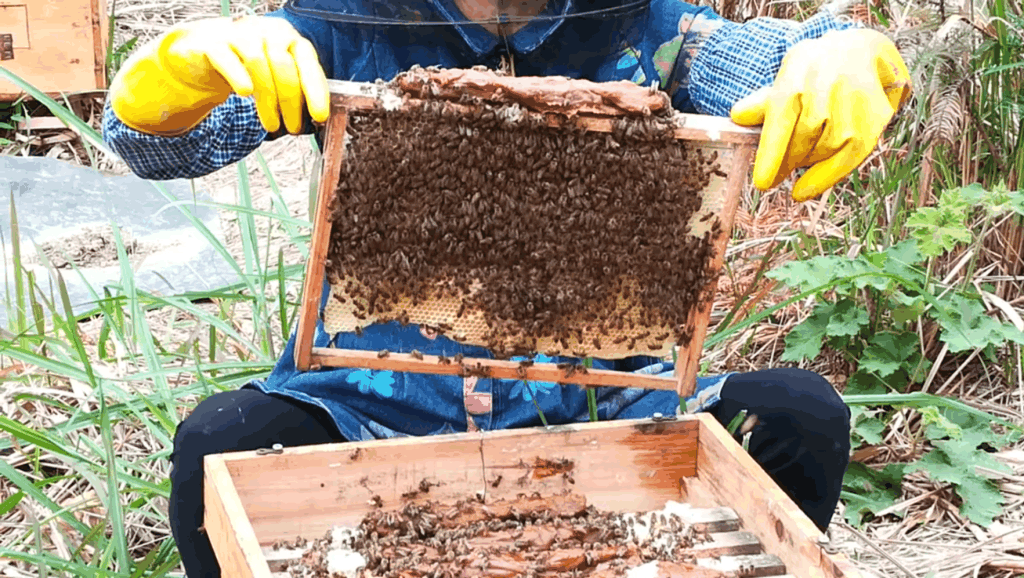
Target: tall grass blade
{"x":19,"y":280}
{"x":139,"y":323}
{"x":284,"y":216}
{"x":282,"y":302}
{"x":115,"y":515}
{"x":250,"y":249}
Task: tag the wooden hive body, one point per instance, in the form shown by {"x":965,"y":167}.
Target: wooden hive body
{"x":56,"y":45}
{"x":732,"y":145}
{"x":255,"y":499}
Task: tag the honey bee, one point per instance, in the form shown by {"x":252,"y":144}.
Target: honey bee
{"x":383,"y":353}
{"x":416,"y":354}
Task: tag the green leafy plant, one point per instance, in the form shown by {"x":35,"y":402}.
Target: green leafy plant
{"x":871,"y":308}
{"x":960,"y":442}
{"x":873,"y":301}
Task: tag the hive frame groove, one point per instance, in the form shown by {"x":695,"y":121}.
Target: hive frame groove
{"x":348,"y":96}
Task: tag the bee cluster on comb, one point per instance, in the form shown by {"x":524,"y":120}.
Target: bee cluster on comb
{"x":493,"y":228}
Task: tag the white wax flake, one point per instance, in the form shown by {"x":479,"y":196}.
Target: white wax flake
{"x":391,"y":101}
{"x":675,"y":508}
{"x":345,"y":563}
{"x":640,"y":525}
{"x":343,"y":537}
{"x":715,"y":135}
{"x":648,"y":570}
{"x":342,"y":560}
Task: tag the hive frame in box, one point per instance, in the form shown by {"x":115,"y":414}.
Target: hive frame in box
{"x":254,"y":499}
{"x":738,"y":143}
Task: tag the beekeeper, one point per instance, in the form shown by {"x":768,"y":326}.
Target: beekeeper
{"x":207,"y":93}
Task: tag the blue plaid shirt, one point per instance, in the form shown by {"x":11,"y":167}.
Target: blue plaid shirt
{"x":703,"y":62}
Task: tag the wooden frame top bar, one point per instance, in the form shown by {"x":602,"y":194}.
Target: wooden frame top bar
{"x":368,"y":96}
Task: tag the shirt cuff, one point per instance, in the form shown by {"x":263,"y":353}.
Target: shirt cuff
{"x":737,"y":59}
{"x":230,"y":132}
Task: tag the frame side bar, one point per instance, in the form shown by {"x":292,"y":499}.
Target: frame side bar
{"x":313,"y":283}
{"x":690,"y":360}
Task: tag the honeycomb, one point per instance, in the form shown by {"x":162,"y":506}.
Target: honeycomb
{"x":494,"y":229}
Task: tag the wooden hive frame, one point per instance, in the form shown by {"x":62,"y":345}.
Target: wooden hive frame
{"x":734,"y":144}
{"x":254,"y":499}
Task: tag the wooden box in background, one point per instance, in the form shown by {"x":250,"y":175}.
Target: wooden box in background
{"x":56,"y":45}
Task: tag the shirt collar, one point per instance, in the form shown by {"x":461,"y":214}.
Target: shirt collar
{"x":526,"y":40}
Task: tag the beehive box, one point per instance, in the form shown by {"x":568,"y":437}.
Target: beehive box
{"x":56,"y":45}
{"x":253,"y":501}
{"x":626,"y":117}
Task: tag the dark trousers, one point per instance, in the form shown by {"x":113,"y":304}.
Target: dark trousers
{"x":802,"y":440}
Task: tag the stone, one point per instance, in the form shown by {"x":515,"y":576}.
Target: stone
{"x":66,"y":211}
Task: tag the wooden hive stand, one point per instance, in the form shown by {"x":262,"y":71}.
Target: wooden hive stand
{"x":734,"y":146}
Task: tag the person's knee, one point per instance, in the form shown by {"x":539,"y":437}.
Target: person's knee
{"x":804,"y":395}
{"x":217,"y":424}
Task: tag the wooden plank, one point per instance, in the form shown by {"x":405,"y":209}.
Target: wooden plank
{"x":42,"y":123}
{"x":99,"y":35}
{"x":632,"y":465}
{"x":230,"y":532}
{"x":751,"y":565}
{"x":727,"y":544}
{"x":728,"y":475}
{"x":305,"y":491}
{"x":688,"y":360}
{"x":405,"y":362}
{"x":720,"y":519}
{"x":313,"y":284}
{"x":626,"y":466}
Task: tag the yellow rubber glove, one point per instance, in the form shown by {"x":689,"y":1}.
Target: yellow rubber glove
{"x":830,"y":102}
{"x":171,"y":84}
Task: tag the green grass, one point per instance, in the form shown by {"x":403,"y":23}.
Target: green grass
{"x":134,"y":381}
